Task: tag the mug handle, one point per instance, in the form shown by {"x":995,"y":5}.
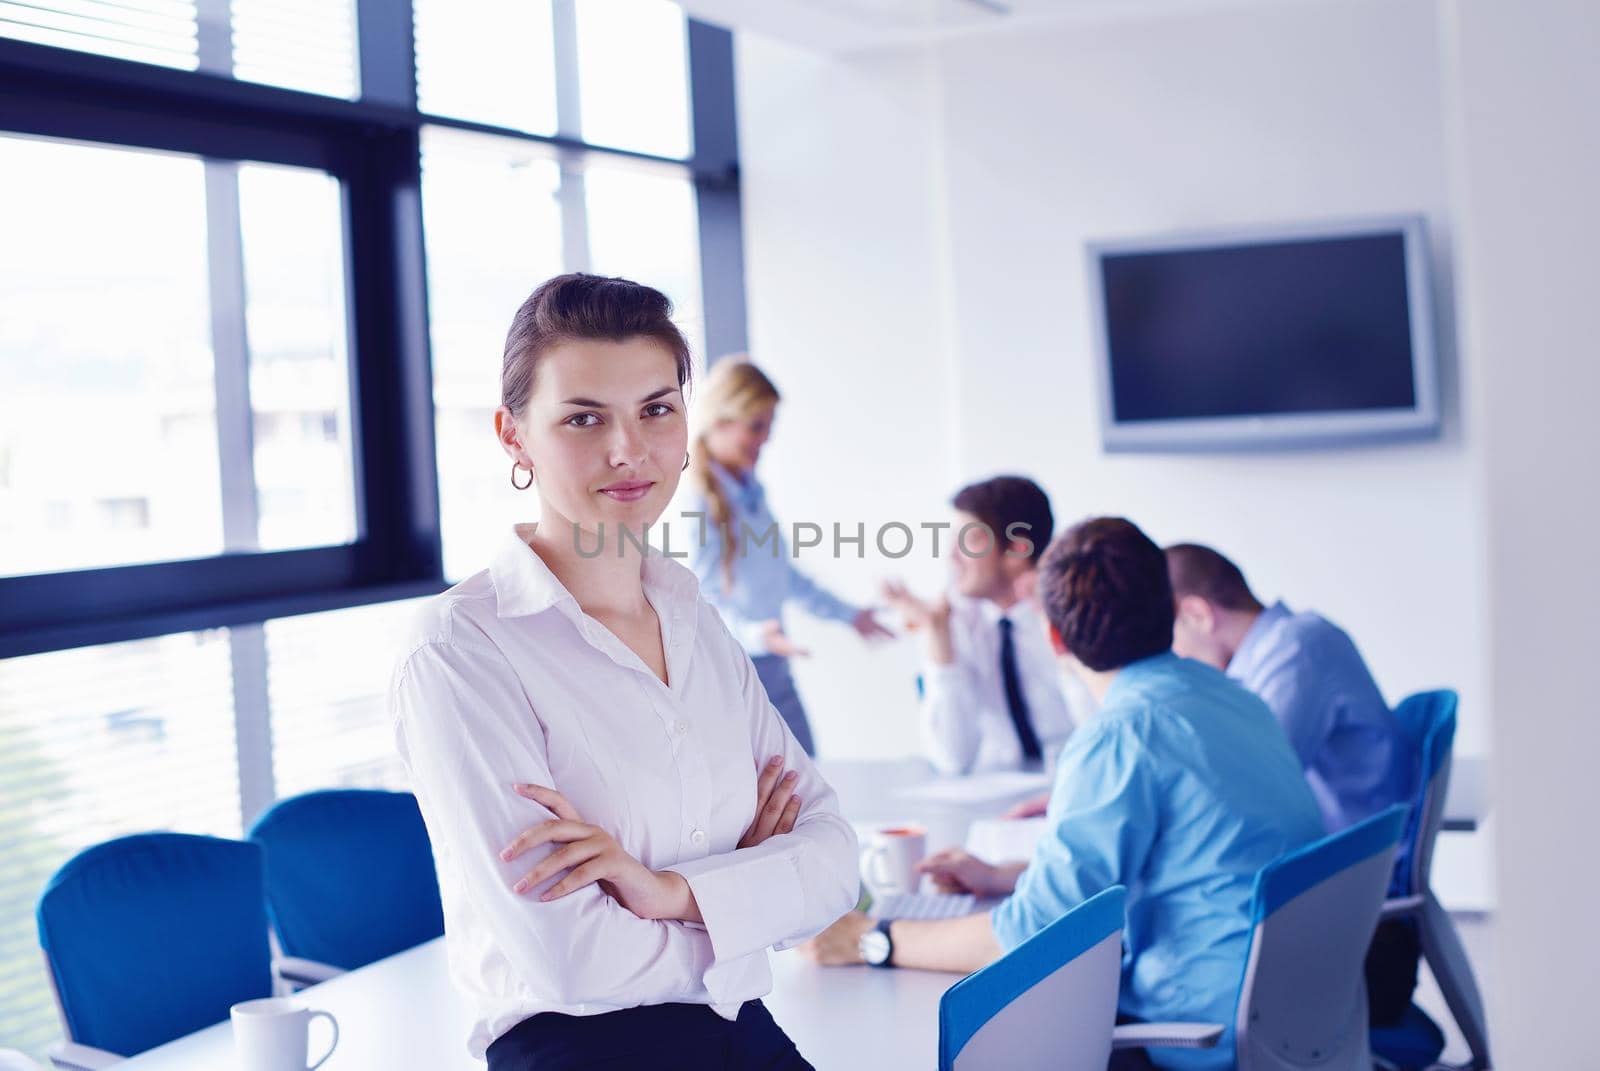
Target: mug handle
{"x":873,"y":858}
{"x":334,"y":1044}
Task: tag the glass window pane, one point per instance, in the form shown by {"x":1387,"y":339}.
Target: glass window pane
{"x":633,"y":75}
{"x":96,"y":743}
{"x":490,"y":61}
{"x":643,"y":225}
{"x":163,"y":32}
{"x":493,"y":227}
{"x":328,"y":682}
{"x":299,"y":363}
{"x":309,"y":45}
{"x":108,"y":446}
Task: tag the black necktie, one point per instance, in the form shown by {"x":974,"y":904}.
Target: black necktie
{"x":1014,"y":701}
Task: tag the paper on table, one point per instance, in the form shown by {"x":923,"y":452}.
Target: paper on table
{"x":1004,"y":840}
{"x":978,"y":788}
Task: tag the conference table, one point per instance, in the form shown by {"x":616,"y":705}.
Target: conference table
{"x":402,"y":1014}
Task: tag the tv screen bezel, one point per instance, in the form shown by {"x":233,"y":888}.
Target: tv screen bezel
{"x":1328,"y":428}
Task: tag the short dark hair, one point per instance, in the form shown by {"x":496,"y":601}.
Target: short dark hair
{"x":582,"y":306}
{"x":1194,"y":569}
{"x":1104,"y":588}
{"x":1004,"y":501}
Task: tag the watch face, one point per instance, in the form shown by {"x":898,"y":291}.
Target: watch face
{"x":874,"y":945}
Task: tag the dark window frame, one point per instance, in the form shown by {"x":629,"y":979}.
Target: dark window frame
{"x":372,"y":145}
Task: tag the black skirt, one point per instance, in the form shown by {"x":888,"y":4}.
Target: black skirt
{"x":658,"y":1037}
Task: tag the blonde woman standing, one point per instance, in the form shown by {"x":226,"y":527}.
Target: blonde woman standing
{"x":743,"y":573}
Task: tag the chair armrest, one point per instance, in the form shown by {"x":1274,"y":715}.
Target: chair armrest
{"x":1400,"y":906}
{"x":1166,"y":1035}
{"x":70,"y":1056}
{"x":297,"y":971}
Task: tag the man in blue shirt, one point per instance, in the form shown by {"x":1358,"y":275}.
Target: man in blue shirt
{"x":1356,"y":756}
{"x":1181,"y":788}
{"x":1354,"y":753}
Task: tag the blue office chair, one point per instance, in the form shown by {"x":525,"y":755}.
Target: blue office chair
{"x":1051,"y":1002}
{"x":151,"y":937}
{"x":1303,"y":1001}
{"x":350,"y":879}
{"x":1415,"y":1043}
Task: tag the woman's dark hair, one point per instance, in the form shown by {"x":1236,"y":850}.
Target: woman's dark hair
{"x":581,"y":306}
{"x":1104,"y":587}
{"x":1003,"y":501}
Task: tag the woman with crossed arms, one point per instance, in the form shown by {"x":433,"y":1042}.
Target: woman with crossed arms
{"x":622,"y":824}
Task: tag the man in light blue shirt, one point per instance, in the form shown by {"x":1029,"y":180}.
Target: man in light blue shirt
{"x":1180,"y":788}
{"x":1354,"y":753}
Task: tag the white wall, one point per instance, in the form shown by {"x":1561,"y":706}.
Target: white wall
{"x":1247,"y":115}
{"x":1529,"y":161}
{"x":843,"y":269}
{"x":903,"y":205}
{"x":906,"y":205}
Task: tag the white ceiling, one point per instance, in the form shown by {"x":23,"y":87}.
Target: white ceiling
{"x":850,"y":25}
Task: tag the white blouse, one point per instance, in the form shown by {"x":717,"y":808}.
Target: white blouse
{"x":505,"y":680}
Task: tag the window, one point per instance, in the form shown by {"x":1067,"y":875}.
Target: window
{"x":643,"y":222}
{"x":152,"y":31}
{"x":493,"y":219}
{"x":106,"y":364}
{"x":505,"y":77}
{"x":328,"y":683}
{"x":633,"y":83}
{"x":502,"y":214}
{"x":247,"y":373}
{"x":96,"y":743}
{"x":299,"y":366}
{"x":298,"y":44}
{"x":112,"y":306}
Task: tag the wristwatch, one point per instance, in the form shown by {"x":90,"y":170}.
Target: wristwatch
{"x":876,"y":946}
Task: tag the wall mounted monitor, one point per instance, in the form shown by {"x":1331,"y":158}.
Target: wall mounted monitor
{"x":1294,"y":336}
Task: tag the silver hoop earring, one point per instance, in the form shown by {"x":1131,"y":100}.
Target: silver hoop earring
{"x":685,"y":463}
{"x":514,"y":483}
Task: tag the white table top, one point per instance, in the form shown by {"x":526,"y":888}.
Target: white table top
{"x":402,"y":1013}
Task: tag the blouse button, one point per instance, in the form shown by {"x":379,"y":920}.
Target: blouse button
{"x":680,"y":726}
{"x":698,"y":837}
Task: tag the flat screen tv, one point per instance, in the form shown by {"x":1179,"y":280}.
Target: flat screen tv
{"x":1294,"y":336}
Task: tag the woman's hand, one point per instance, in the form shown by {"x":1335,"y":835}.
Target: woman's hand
{"x":778,"y":641}
{"x":955,"y":871}
{"x":777,"y":806}
{"x":591,"y":856}
{"x":868,"y":628}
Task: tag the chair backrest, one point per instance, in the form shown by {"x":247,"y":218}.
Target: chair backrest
{"x":1048,"y":1003}
{"x":1429,"y":721}
{"x":1303,"y":1003}
{"x":154,"y":936}
{"x":350,"y":876}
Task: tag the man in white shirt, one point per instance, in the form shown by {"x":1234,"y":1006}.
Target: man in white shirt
{"x":993,"y":695}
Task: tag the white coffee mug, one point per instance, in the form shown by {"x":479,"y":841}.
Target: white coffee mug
{"x":889,"y":858}
{"x":271,"y":1034}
